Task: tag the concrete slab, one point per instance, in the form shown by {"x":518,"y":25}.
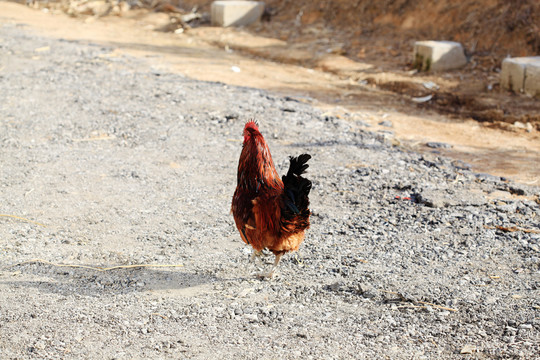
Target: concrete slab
{"x":438,"y":55}
{"x":521,"y":74}
{"x":235,"y":13}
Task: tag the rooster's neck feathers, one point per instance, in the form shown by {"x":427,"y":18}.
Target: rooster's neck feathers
{"x":256,"y":168}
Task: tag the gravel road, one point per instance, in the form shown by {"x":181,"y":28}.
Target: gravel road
{"x":106,"y":161}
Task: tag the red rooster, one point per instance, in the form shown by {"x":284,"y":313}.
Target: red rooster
{"x":270,"y":212}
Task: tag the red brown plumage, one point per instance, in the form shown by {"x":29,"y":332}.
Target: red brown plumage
{"x":270,"y":212}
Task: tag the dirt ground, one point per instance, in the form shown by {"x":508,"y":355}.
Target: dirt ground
{"x":348,"y":72}
{"x":117,"y":169}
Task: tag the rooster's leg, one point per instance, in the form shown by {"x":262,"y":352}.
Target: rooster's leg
{"x":274,"y":267}
{"x":256,"y":254}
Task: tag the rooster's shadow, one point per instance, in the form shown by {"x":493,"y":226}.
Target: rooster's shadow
{"x":90,"y":282}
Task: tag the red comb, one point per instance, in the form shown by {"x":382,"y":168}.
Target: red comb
{"x":252,"y":125}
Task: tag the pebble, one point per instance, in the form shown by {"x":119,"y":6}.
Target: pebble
{"x":438,"y":145}
{"x":468,"y":349}
{"x":251,"y":317}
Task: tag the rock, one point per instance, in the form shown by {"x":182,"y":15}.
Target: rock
{"x":245,"y":292}
{"x":335,"y":286}
{"x":438,"y":145}
{"x":367,"y":291}
{"x":468,"y":349}
{"x":251,"y":317}
{"x":432,"y":199}
{"x":438,"y":55}
{"x":439,"y":199}
{"x":517,"y":189}
{"x":40,"y":345}
{"x":528,"y":126}
{"x":487,"y":177}
{"x":386,"y":123}
{"x":461,"y":165}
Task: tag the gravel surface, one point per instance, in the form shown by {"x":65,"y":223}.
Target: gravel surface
{"x":106,"y":161}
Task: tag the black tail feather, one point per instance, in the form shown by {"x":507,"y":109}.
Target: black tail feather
{"x":298,"y":164}
{"x":297,"y":188}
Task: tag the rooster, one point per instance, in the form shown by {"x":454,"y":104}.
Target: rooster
{"x":270,"y":212}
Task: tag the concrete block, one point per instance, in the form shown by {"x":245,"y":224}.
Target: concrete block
{"x":235,"y":13}
{"x":513,"y":74}
{"x":438,"y":55}
{"x":532,"y":79}
{"x":521,"y":74}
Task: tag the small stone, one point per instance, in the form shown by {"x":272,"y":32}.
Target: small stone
{"x":438,"y":145}
{"x":432,"y":199}
{"x":245,"y":292}
{"x":509,"y":339}
{"x":366,"y":291}
{"x":468,"y":349}
{"x":516,"y":189}
{"x":335,"y":286}
{"x":491,"y":300}
{"x":40,"y":345}
{"x":251,"y":317}
{"x":461,"y":165}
